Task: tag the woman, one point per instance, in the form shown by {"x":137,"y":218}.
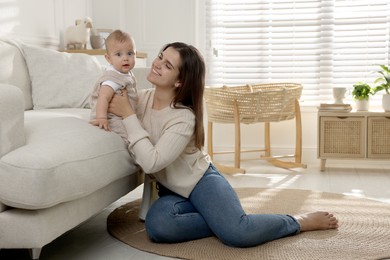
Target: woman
{"x":166,"y":140}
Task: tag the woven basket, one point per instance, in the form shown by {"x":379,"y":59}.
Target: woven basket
{"x":256,"y":103}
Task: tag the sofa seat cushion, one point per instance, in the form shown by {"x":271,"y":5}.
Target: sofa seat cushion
{"x":34,"y":115}
{"x":64,"y":158}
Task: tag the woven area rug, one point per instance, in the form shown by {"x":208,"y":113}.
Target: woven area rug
{"x":364,"y":231}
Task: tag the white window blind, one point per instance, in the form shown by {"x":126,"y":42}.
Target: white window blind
{"x":321,"y":44}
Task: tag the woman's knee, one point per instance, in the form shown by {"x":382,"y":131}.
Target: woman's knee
{"x":155,"y":230}
{"x":160,"y":221}
{"x":156,"y":218}
{"x":241,"y":239}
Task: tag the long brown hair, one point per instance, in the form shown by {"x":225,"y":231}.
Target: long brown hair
{"x":192,"y":78}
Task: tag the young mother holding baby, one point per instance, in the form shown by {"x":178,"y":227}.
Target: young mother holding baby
{"x":167,"y":138}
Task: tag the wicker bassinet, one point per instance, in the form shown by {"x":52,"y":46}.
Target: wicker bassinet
{"x":265,"y":102}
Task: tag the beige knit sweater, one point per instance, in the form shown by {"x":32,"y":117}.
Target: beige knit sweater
{"x":162,"y":143}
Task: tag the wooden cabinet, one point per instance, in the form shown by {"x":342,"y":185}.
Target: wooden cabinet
{"x":378,"y":142}
{"x":353,"y":135}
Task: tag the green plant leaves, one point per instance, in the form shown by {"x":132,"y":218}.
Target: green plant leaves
{"x":361,"y":91}
{"x":384,"y":80}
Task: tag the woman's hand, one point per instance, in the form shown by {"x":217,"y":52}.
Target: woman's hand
{"x":120,"y":105}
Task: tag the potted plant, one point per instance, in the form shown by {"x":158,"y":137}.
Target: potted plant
{"x":361,"y":93}
{"x":384,"y":84}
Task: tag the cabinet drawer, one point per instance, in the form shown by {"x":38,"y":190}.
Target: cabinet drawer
{"x":342,"y":137}
{"x":378,"y":145}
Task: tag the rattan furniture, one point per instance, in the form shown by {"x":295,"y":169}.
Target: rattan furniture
{"x":353,"y":135}
{"x":249,"y":104}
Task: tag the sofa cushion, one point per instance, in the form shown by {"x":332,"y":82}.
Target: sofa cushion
{"x":2,"y":207}
{"x":64,"y":158}
{"x":59,"y":79}
{"x":44,"y":114}
{"x":13,"y":70}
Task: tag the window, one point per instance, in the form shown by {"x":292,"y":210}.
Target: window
{"x":321,"y":44}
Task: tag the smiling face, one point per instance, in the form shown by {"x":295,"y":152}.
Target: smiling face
{"x":165,"y":69}
{"x":121,"y":55}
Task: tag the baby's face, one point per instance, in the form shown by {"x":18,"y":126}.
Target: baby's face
{"x":121,"y":55}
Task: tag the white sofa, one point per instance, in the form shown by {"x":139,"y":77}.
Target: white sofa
{"x":56,"y":170}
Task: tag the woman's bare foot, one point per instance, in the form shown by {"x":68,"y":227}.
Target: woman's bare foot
{"x":319,"y":220}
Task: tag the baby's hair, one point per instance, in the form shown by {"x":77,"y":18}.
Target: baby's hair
{"x":119,"y":36}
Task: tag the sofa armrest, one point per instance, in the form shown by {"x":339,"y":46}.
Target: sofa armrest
{"x":3,"y":207}
{"x":140,"y":74}
{"x":11,"y":118}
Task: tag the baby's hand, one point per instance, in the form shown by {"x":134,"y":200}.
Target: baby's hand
{"x":101,"y":123}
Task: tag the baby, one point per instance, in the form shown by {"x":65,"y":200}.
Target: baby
{"x":120,"y":54}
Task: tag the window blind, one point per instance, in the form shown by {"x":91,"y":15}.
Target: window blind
{"x":320,"y":44}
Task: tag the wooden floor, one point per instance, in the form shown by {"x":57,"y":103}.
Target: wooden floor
{"x":91,"y":240}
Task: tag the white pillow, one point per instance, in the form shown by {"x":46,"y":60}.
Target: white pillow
{"x":60,"y":79}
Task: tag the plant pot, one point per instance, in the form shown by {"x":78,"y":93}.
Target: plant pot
{"x":362,"y":105}
{"x":386,"y":102}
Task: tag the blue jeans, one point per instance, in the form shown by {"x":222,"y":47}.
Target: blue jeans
{"x":213,"y":209}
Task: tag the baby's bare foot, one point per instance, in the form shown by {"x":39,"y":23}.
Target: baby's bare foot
{"x":319,"y":220}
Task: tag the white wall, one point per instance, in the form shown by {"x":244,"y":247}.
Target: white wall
{"x":40,"y":22}
{"x":152,"y":23}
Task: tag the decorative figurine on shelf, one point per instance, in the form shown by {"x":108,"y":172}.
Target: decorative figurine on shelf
{"x":77,"y":36}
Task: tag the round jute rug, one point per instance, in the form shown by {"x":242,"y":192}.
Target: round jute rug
{"x":364,"y":231}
